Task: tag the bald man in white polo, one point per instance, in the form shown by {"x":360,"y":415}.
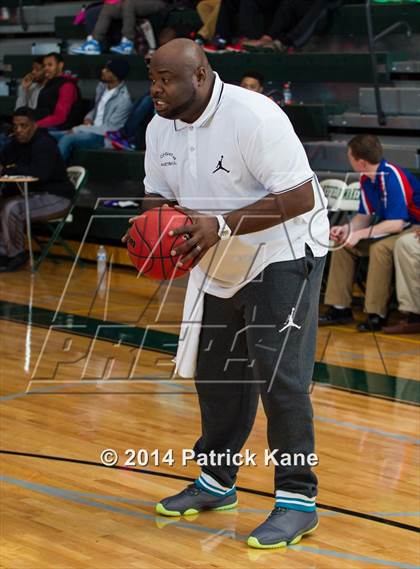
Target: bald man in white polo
{"x":231,"y":159}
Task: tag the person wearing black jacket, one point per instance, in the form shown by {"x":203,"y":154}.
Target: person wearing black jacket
{"x":32,"y":152}
{"x":59,"y":105}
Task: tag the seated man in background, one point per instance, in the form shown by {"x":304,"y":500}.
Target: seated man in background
{"x":31,"y":85}
{"x":32,"y":152}
{"x":291,"y":23}
{"x":392,"y":195}
{"x":59,"y":103}
{"x":407,"y":274}
{"x":89,"y":16}
{"x":109,"y":12}
{"x":112,"y":105}
{"x":28,"y":93}
{"x":128,"y":10}
{"x":208,"y":10}
{"x":253,"y":81}
{"x":237,"y":20}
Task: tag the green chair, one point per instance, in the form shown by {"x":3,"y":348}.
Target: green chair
{"x":77,"y":175}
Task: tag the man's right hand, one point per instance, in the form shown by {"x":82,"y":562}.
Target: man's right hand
{"x":88,"y":122}
{"x":27,"y":81}
{"x":339,"y":233}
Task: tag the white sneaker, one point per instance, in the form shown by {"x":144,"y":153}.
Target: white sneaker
{"x":90,"y":47}
{"x":125,"y":47}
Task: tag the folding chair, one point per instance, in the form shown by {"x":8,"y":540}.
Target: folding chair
{"x":77,"y":175}
{"x":350,"y":198}
{"x":333,"y":190}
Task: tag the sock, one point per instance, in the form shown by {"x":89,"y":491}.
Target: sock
{"x":339,"y":307}
{"x":210,"y":485}
{"x":294,"y":501}
{"x":125,"y":40}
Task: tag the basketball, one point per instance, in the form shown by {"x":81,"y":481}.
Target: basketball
{"x":149,"y":244}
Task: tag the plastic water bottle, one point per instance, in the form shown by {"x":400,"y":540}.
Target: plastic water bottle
{"x":101,"y":269}
{"x":287,"y":94}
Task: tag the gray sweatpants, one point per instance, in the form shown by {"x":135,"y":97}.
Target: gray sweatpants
{"x":128,"y":10}
{"x":12,"y":218}
{"x":243,"y":354}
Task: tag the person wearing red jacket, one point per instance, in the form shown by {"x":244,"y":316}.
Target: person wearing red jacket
{"x":59,"y":102}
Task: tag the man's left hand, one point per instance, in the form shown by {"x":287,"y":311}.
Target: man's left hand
{"x":203,"y":234}
{"x":354,"y":238}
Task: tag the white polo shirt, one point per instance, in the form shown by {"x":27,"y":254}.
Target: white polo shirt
{"x":241,"y":149}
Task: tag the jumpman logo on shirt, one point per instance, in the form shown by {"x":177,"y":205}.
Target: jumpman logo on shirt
{"x":220,"y":166}
{"x":290,"y":322}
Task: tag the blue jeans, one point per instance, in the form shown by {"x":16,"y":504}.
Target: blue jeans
{"x":68,"y":142}
{"x":56,"y":133}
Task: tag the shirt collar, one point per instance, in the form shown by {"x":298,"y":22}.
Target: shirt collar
{"x":381,"y":168}
{"x":382,"y":165}
{"x":210,"y":110}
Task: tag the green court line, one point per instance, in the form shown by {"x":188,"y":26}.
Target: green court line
{"x":346,"y":378}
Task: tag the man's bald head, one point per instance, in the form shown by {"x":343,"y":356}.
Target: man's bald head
{"x":182,"y":80}
{"x":181,"y":50}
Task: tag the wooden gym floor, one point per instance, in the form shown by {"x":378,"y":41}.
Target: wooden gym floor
{"x":75,"y":382}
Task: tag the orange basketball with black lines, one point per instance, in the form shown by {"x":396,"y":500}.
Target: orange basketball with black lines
{"x":149,"y":244}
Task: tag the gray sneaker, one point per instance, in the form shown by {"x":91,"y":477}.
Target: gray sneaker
{"x":193,"y":500}
{"x":283,"y":527}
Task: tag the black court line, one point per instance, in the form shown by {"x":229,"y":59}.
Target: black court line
{"x":344,"y":511}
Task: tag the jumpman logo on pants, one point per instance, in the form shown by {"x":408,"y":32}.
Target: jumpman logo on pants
{"x":290,"y":322}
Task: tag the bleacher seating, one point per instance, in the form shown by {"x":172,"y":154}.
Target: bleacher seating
{"x":298,"y":67}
